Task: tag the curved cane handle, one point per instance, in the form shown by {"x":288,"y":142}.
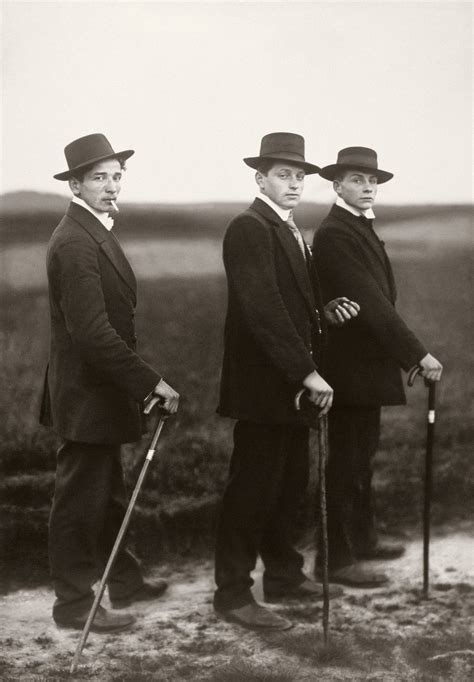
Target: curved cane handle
{"x":154,"y":400}
{"x":298,"y":397}
{"x":413,"y":374}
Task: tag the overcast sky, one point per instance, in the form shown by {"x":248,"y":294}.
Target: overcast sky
{"x":192,"y":87}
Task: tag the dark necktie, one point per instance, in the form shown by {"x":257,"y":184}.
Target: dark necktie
{"x":367,"y":222}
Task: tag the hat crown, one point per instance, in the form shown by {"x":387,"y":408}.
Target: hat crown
{"x":82,"y":150}
{"x":275,"y":144}
{"x":357,"y":156}
{"x":87,"y":151}
{"x":286,"y":147}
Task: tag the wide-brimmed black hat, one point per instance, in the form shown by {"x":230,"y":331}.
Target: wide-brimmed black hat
{"x":88,"y":150}
{"x":361,"y":158}
{"x":282,"y":147}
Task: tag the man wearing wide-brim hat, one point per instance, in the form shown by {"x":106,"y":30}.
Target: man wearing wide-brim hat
{"x":275,"y":334}
{"x":94,"y":388}
{"x":363,"y":362}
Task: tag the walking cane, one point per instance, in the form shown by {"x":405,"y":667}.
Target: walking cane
{"x":121,"y":533}
{"x":323,"y":452}
{"x":428,"y":473}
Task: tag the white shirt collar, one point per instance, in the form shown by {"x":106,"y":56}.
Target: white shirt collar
{"x":368,"y":213}
{"x":282,"y":213}
{"x":106,"y":220}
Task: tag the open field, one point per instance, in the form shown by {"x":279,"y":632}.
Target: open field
{"x":180,"y":321}
{"x":389,"y":634}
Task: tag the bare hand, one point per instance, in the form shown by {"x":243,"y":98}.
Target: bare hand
{"x":319,"y":392}
{"x":431,"y":368}
{"x":169,"y":398}
{"x":340,"y":310}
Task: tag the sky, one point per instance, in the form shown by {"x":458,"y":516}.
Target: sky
{"x":193,"y":86}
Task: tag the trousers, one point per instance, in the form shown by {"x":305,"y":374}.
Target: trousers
{"x":353,"y":440}
{"x":88,"y":508}
{"x":267,"y":480}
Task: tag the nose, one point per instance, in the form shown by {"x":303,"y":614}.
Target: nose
{"x":294,"y":182}
{"x":112,"y":186}
{"x":368,"y":188}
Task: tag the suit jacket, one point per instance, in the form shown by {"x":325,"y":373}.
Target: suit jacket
{"x":274,"y":330}
{"x":365,"y":355}
{"x":95,"y":380}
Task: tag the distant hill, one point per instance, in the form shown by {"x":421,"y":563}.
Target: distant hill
{"x":27,"y":201}
{"x":27,"y":216}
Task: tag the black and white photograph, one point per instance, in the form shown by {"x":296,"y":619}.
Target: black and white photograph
{"x":236,"y":273}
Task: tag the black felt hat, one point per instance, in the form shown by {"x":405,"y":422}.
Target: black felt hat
{"x":361,"y":158}
{"x":287,"y":147}
{"x":88,"y":150}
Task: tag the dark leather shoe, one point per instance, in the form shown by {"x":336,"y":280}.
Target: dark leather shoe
{"x":255,"y":617}
{"x":357,"y":576}
{"x":147,"y":592}
{"x":104,"y":621}
{"x":308,"y":589}
{"x":382,"y":550}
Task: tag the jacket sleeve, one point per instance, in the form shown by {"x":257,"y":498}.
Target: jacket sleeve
{"x":338,"y":256}
{"x":82,"y":302}
{"x":250,"y":267}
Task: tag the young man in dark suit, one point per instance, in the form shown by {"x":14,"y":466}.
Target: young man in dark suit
{"x":275,"y":333}
{"x":363,"y":362}
{"x":96,"y":383}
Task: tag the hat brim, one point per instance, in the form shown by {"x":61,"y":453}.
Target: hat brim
{"x":255,"y":161}
{"x":65,"y":175}
{"x":330,"y":172}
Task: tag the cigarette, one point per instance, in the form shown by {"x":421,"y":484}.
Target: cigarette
{"x":114,"y":205}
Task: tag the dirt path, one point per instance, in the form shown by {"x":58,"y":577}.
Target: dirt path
{"x":384,"y":634}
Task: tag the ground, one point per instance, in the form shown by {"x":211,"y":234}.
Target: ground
{"x":387,"y":634}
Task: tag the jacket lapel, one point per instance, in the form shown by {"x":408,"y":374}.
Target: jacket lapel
{"x":355,"y":224}
{"x":371,"y":240}
{"x":290,"y":246}
{"x":107,"y":242}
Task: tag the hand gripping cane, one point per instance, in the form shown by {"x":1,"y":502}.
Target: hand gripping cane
{"x":321,"y":423}
{"x":123,"y":529}
{"x":428,"y":473}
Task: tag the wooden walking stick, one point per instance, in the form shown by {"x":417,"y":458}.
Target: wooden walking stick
{"x":123,"y":529}
{"x":321,"y":424}
{"x":428,"y":483}
{"x":323,"y":458}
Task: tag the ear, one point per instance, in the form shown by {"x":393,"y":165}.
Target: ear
{"x":259,"y":179}
{"x":74,"y":186}
{"x":337,"y":186}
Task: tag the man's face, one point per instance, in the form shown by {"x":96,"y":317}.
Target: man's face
{"x":283,"y":184}
{"x":100,"y":185}
{"x":357,"y":188}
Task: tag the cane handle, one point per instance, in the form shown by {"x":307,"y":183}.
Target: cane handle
{"x":298,"y":397}
{"x":413,"y":374}
{"x":417,"y":370}
{"x":154,"y":400}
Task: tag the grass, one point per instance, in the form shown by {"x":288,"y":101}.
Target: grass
{"x":180,"y":326}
